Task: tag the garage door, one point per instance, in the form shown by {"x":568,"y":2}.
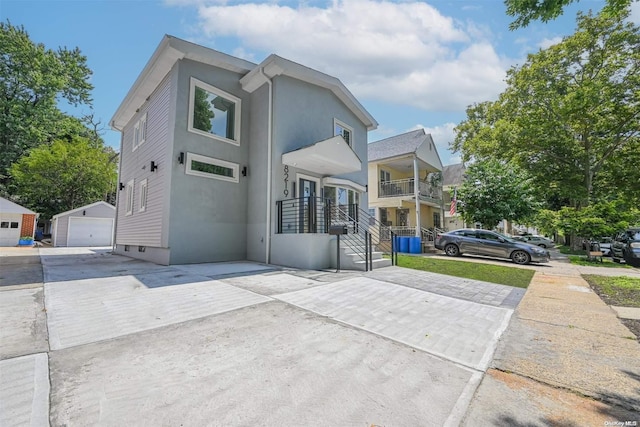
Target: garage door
{"x":10,"y":229}
{"x":90,"y":231}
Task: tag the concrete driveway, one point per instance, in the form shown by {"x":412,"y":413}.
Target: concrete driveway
{"x":107,"y":340}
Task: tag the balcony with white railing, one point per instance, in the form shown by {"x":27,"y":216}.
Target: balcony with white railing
{"x":406,"y":188}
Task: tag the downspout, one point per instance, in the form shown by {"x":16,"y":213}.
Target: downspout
{"x":416,"y":194}
{"x":267,"y":239}
{"x":115,"y":220}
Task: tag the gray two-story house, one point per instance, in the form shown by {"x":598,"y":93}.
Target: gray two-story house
{"x":225,"y":160}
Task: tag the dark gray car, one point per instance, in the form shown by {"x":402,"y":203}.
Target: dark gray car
{"x":488,"y":243}
{"x":626,"y":246}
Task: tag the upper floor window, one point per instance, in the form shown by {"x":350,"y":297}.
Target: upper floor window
{"x":140,"y":132}
{"x":214,"y":113}
{"x":385,"y":176}
{"x":343,"y":130}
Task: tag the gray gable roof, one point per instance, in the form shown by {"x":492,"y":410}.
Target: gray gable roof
{"x":453,"y":174}
{"x":7,"y":206}
{"x":398,"y":145}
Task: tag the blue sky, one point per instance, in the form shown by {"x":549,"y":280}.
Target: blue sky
{"x":411,"y":64}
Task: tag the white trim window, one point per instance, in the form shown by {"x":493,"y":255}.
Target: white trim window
{"x":143,"y":129}
{"x":140,"y":132}
{"x":144,"y":191}
{"x":129,"y":198}
{"x":344,"y":202}
{"x":214,"y":113}
{"x":136,"y":136}
{"x":345,"y":131}
{"x":208,"y":167}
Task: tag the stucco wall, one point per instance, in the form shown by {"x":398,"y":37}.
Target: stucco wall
{"x":257,"y":176}
{"x":310,"y":251}
{"x":304,"y":114}
{"x":208,"y":216}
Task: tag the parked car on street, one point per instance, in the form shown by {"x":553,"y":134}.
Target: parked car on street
{"x":604,"y":244}
{"x":488,"y":243}
{"x":626,"y":246}
{"x":543,"y":242}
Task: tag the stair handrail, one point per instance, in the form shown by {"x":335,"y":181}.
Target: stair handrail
{"x":372,"y":226}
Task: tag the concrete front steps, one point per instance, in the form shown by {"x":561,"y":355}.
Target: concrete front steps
{"x":354,"y":258}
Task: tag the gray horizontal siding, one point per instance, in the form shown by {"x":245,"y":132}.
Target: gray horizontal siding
{"x":145,"y":228}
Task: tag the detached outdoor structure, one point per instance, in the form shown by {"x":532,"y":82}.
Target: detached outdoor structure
{"x":90,"y":225}
{"x":15,"y":222}
{"x":222,"y":159}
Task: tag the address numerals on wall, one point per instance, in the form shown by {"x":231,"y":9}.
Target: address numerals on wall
{"x":286,"y":181}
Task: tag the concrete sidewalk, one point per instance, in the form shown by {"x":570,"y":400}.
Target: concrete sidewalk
{"x":566,"y":359}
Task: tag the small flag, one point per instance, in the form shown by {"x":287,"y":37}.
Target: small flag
{"x":454,"y":202}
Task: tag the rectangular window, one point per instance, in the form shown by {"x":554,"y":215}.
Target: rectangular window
{"x":214,"y":113}
{"x":384,"y":176}
{"x":139,"y":132}
{"x":436,"y":219}
{"x":143,"y":195}
{"x":129,"y":196}
{"x":4,"y":224}
{"x":136,"y":136}
{"x":142,"y":137}
{"x":384,"y":216}
{"x":343,"y":130}
{"x":14,"y":225}
{"x":209,"y":167}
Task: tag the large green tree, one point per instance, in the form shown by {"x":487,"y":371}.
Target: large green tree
{"x":526,"y":11}
{"x":33,"y":80}
{"x":570,"y":115}
{"x":64,"y":175}
{"x":493,"y":191}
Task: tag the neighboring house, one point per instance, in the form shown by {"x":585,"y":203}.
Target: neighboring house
{"x":15,"y":222}
{"x":403,"y":191}
{"x":90,"y":225}
{"x":452,"y":179}
{"x":222,"y":159}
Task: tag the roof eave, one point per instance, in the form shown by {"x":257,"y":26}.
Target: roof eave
{"x":275,"y":65}
{"x":169,"y":51}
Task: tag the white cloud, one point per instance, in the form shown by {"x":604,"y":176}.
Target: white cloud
{"x":546,"y":43}
{"x":406,"y":53}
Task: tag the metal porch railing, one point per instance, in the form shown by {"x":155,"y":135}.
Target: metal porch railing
{"x":317,"y":215}
{"x":406,"y":187}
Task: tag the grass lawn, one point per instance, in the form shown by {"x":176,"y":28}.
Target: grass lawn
{"x":510,"y":276}
{"x":606,"y":262}
{"x":620,"y":291}
{"x":568,"y":251}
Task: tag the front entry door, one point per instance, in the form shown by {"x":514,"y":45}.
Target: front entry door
{"x":401,"y":217}
{"x":307,"y":214}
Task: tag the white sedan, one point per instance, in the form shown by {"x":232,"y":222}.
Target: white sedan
{"x":543,"y":242}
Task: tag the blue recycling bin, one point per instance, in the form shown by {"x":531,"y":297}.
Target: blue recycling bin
{"x":415,"y":245}
{"x":404,"y":245}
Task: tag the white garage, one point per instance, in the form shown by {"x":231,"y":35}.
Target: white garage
{"x":10,"y":229}
{"x":90,"y":225}
{"x":15,"y":221}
